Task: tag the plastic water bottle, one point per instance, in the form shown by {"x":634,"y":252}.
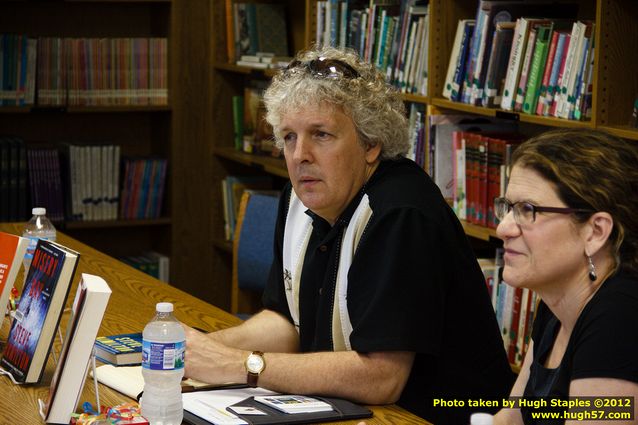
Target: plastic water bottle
{"x":163,"y":367}
{"x":39,"y":227}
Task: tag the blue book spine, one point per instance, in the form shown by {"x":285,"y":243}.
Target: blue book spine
{"x":461,"y":69}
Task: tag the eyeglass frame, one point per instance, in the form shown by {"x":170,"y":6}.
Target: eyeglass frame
{"x":535,"y":208}
{"x":320,"y":65}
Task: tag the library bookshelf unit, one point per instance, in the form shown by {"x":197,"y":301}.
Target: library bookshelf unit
{"x":615,"y":87}
{"x":176,"y":130}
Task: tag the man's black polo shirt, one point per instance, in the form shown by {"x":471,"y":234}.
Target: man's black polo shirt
{"x":413,"y":285}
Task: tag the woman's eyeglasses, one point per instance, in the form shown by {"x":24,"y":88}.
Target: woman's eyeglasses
{"x":324,"y":68}
{"x":525,"y":213}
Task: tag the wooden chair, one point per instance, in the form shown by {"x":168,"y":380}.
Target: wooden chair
{"x":253,"y":249}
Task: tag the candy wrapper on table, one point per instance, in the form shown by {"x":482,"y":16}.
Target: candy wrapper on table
{"x":122,"y":414}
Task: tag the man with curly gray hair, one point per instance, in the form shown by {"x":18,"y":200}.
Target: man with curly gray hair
{"x":374,"y":294}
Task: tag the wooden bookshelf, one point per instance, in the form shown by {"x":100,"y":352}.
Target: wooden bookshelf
{"x":614,"y":88}
{"x":177,"y":131}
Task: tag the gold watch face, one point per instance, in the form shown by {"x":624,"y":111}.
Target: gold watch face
{"x":255,"y":363}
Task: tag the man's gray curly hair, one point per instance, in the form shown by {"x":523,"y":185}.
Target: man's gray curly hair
{"x":375,"y":107}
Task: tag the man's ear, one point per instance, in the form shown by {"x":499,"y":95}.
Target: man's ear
{"x":372,"y":153}
{"x":597,"y":231}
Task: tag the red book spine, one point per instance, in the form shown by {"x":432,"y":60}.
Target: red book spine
{"x":552,"y":110}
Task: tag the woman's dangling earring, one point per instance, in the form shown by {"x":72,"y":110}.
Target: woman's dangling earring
{"x":592,"y":270}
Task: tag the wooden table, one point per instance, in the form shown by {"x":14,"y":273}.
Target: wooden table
{"x":131,"y":306}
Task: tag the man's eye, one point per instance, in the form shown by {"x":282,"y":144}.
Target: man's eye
{"x":289,"y":137}
{"x":322,"y":135}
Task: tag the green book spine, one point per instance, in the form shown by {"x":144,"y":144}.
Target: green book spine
{"x":538,"y":64}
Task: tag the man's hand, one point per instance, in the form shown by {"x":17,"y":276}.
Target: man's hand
{"x":210,"y":361}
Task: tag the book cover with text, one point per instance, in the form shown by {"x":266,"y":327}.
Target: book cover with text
{"x":38,"y":312}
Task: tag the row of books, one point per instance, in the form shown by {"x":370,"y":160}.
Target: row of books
{"x":38,"y":316}
{"x":232,"y":189}
{"x":13,"y":180}
{"x":256,"y":27}
{"x":392,"y":35}
{"x":514,"y":308}
{"x":509,"y":58}
{"x":17,"y":70}
{"x":486,"y":159}
{"x":152,"y":263}
{"x":83,"y":71}
{"x":93,"y":182}
{"x":469,"y":161}
{"x":143,"y":182}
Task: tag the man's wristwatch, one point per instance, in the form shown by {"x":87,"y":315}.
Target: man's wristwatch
{"x":255,"y":364}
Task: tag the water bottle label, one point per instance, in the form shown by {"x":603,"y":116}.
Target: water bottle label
{"x":162,"y":356}
{"x":33,"y":242}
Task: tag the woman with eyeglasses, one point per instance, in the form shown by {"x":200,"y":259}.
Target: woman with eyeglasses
{"x":570,"y":233}
{"x":374,"y":294}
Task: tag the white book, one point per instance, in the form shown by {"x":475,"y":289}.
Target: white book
{"x":414,"y":56}
{"x":95,"y":184}
{"x":514,"y":64}
{"x":422,"y":73}
{"x":90,"y":303}
{"x":476,"y":92}
{"x":404,"y":74}
{"x":575,"y":45}
{"x":105,"y":159}
{"x":454,"y":59}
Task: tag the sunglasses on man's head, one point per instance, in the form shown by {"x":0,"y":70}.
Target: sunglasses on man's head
{"x":324,"y":68}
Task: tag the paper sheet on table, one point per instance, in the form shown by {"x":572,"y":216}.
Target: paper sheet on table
{"x":211,"y":405}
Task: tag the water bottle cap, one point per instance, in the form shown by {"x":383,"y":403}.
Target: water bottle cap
{"x":481,"y":419}
{"x":164,"y":307}
{"x":39,"y":211}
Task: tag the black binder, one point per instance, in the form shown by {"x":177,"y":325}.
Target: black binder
{"x":342,"y":410}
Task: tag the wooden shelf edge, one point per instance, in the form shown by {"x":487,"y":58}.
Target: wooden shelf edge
{"x":98,"y":224}
{"x":623,"y":131}
{"x":118,"y":1}
{"x":224,"y":245}
{"x":231,"y":67}
{"x":478,"y":232}
{"x":271,"y":165}
{"x":500,"y":113}
{"x":416,"y":98}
